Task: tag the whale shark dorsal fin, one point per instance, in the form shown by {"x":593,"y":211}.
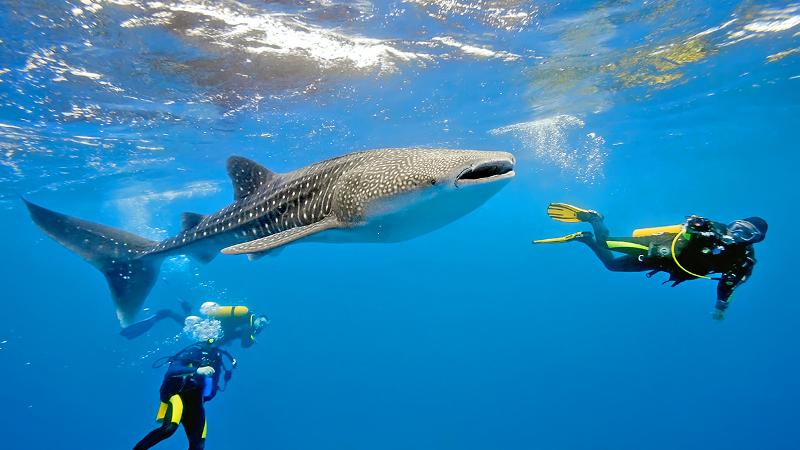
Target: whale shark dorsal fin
{"x":247,"y":176}
{"x":190,"y":220}
{"x":284,"y":237}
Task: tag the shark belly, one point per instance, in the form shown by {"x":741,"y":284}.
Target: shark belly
{"x":412,"y":217}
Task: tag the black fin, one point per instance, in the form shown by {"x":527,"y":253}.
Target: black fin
{"x":139,"y":328}
{"x":247,"y":176}
{"x":190,"y":220}
{"x":124,"y":258}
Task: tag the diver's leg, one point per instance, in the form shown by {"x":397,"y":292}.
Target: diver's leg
{"x":600,"y":230}
{"x":178,"y":318}
{"x":627,"y":263}
{"x":154,"y":437}
{"x":194,"y":420}
{"x":167,"y":429}
{"x":599,"y":246}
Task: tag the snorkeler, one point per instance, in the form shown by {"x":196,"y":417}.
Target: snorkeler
{"x":694,"y":249}
{"x":192,"y":378}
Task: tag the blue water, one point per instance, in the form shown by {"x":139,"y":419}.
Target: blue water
{"x":124,"y":112}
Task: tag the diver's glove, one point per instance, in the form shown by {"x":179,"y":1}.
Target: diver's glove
{"x":719,"y":310}
{"x":205,"y":371}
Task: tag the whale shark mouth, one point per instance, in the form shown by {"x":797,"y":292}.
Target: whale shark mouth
{"x":486,"y":172}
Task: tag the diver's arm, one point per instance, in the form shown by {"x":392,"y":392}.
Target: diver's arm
{"x":732,"y":279}
{"x":698,"y":226}
{"x":176,"y":370}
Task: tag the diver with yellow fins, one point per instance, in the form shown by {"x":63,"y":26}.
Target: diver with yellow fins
{"x":695,"y":249}
{"x":192,"y":378}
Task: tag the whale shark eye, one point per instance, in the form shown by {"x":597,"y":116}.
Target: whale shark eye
{"x":433,"y":181}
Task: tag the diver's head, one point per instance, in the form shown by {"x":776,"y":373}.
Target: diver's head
{"x":750,"y":230}
{"x":259,"y":323}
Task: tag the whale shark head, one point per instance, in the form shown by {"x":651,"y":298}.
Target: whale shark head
{"x":397,"y":194}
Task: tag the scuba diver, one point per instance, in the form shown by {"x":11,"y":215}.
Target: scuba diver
{"x":236,"y":322}
{"x":692,"y":250}
{"x":192,"y":378}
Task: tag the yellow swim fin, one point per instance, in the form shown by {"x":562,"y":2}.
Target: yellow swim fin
{"x":562,"y":239}
{"x":564,"y":212}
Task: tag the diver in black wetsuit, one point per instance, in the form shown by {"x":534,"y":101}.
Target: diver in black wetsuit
{"x":192,"y":379}
{"x":237,"y":322}
{"x":693,"y":250}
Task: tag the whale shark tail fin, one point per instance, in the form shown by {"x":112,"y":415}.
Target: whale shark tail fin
{"x":124,"y":258}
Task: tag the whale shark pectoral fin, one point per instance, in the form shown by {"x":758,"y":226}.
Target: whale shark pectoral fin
{"x":285,"y":237}
{"x":247,"y":176}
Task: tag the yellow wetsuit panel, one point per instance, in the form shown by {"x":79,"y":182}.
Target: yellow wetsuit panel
{"x":177,"y":408}
{"x":162,"y":411}
{"x":205,"y":428}
{"x":622,"y":244}
{"x":670,"y":229}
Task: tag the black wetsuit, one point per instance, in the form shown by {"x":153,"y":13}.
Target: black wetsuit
{"x":702,"y":250}
{"x":183,"y":381}
{"x":241,"y":328}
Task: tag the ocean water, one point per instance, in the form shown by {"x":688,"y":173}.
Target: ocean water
{"x":123,"y":112}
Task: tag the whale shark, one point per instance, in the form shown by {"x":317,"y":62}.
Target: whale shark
{"x":384,"y":195}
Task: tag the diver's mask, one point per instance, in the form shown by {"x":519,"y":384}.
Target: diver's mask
{"x":259,"y":323}
{"x":746,"y":232}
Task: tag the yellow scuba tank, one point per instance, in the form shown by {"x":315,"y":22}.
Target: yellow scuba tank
{"x":229,"y":311}
{"x":667,"y":229}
